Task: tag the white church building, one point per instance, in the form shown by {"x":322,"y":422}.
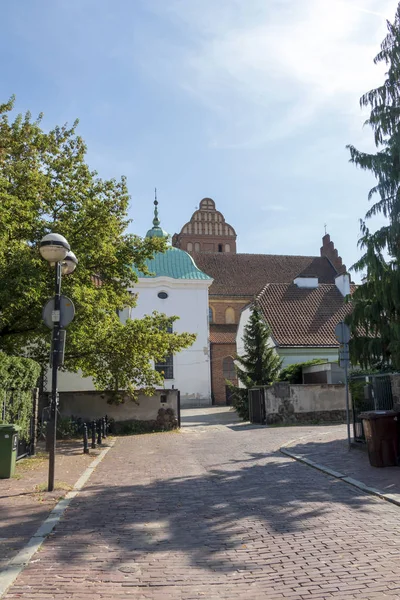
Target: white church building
{"x":176,"y":287}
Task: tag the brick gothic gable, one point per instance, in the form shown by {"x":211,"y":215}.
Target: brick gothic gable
{"x":207,"y":231}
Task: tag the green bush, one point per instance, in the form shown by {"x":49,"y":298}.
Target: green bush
{"x":18,"y":377}
{"x":166,"y":421}
{"x":293,"y":373}
{"x":240,"y":402}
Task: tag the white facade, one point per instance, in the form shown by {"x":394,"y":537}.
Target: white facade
{"x":188,"y":300}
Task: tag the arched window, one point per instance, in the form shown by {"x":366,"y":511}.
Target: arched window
{"x":228,"y":368}
{"x":189,"y":247}
{"x":210,"y":315}
{"x":197,"y":247}
{"x":227,"y":248}
{"x":229,"y":315}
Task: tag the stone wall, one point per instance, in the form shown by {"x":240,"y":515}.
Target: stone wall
{"x":93,"y":405}
{"x":395,"y":382}
{"x":285,"y":403}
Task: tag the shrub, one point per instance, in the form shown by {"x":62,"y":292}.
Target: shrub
{"x":18,"y":377}
{"x":293,"y":373}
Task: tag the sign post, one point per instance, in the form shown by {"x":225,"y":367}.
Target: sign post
{"x":342,"y":333}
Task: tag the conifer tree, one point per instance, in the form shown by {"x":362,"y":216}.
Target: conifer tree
{"x":375,"y":320}
{"x":259,"y":365}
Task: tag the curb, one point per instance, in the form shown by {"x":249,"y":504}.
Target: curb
{"x":20,"y":560}
{"x":392,"y":498}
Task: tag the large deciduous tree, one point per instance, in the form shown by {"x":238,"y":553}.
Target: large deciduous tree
{"x":375,"y":320}
{"x":46,"y":186}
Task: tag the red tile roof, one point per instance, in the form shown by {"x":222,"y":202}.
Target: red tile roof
{"x":303,"y":316}
{"x":223,"y":334}
{"x":246,"y":274}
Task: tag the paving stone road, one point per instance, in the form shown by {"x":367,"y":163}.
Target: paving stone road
{"x":216,"y":512}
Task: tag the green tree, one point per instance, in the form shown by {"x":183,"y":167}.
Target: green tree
{"x":375,"y":320}
{"x":259,"y":365}
{"x":47,"y":186}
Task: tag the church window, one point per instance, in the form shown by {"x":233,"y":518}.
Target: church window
{"x":189,"y":246}
{"x":195,"y":227}
{"x":220,"y":248}
{"x":200,"y":228}
{"x":206,"y":228}
{"x":166,"y":367}
{"x":229,"y":316}
{"x":197,"y":247}
{"x":162,"y":295}
{"x":228,"y":368}
{"x":210,"y":315}
{"x":227,"y":248}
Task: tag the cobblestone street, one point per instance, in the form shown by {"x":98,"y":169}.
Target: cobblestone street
{"x":216,"y":512}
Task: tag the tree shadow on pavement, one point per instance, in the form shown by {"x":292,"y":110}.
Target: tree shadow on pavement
{"x":218,"y":520}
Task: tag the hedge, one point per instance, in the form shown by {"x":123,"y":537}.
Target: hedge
{"x":18,"y":377}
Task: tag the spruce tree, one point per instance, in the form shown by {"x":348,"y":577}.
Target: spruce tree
{"x":259,"y":365}
{"x":375,"y":320}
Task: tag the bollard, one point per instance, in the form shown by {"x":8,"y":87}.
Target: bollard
{"x":99,"y":432}
{"x":85,"y":439}
{"x":104,"y":429}
{"x":107,"y":424}
{"x":93,"y":434}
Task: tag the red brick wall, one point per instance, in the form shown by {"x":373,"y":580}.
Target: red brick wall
{"x":218,"y":383}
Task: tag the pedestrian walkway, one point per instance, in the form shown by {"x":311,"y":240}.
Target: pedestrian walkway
{"x":328,"y":447}
{"x":216,"y":512}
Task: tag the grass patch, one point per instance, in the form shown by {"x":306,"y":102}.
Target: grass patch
{"x":32,"y":462}
{"x":58,"y":485}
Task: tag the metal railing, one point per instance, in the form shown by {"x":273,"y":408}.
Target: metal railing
{"x":369,"y":392}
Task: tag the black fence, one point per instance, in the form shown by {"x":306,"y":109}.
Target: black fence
{"x":372,"y":392}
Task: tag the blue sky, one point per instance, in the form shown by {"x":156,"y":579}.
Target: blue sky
{"x":250,"y":102}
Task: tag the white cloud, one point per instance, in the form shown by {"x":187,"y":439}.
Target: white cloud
{"x":266,"y":69}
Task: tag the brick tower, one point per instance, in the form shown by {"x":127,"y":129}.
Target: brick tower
{"x":206,"y":231}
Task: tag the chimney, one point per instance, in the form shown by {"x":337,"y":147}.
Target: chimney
{"x":310,"y":281}
{"x":343,"y":283}
{"x":329,"y":251}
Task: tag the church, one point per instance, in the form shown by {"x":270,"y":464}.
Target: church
{"x":302,"y":298}
{"x":203,"y":280}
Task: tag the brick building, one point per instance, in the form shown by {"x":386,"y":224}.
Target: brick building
{"x":238,"y":278}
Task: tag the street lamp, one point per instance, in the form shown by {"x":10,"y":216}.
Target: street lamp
{"x":55,"y":249}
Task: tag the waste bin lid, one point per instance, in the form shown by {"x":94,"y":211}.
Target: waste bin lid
{"x":10,"y":428}
{"x":377,"y":414}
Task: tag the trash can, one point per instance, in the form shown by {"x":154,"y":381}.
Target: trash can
{"x":8,"y":450}
{"x":381,"y":428}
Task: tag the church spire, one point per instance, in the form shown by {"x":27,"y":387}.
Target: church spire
{"x":156,"y":220}
{"x":156,"y":230}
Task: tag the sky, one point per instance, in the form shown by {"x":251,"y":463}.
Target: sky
{"x":249,"y":102}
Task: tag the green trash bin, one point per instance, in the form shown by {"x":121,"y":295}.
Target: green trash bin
{"x":8,"y":450}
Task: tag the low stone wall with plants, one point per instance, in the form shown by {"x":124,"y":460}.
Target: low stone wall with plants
{"x":18,"y":378}
{"x":286,"y":403}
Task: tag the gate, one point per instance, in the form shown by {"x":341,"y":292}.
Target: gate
{"x":26,"y":446}
{"x":257,"y":406}
{"x":372,"y":392}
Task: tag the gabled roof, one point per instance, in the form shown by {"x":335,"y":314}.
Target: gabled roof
{"x":246,"y":274}
{"x":173,"y":263}
{"x":303,"y":316}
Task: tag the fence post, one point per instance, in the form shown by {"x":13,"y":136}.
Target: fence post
{"x":34,"y":422}
{"x":93,"y":434}
{"x":85,"y":439}
{"x":99,"y":432}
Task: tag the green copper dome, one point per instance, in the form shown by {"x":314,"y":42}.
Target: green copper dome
{"x":174,"y":263}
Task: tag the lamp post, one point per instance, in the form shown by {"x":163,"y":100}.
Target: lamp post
{"x":55,"y":249}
